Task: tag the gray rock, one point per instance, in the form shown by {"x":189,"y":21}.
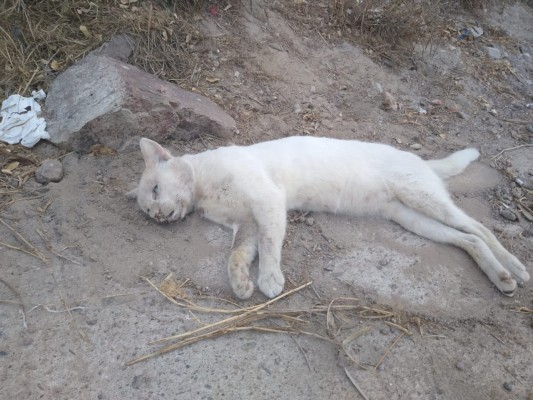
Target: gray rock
{"x":119,"y":47}
{"x":529,"y":128}
{"x":493,"y":53}
{"x":508,"y":215}
{"x":460,"y":366}
{"x":416,"y":146}
{"x":103,"y":100}
{"x":462,"y":115}
{"x":508,"y":386}
{"x":310,"y":221}
{"x":49,"y":171}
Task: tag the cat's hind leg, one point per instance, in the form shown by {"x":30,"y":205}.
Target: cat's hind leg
{"x":425,"y":226}
{"x":242,"y":256}
{"x":439,"y":205}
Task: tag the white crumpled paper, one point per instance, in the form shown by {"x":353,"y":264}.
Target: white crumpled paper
{"x":20,"y":120}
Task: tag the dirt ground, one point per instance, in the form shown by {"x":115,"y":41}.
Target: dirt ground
{"x":87,"y":311}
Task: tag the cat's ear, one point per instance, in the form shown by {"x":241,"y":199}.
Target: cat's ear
{"x":132,"y":194}
{"x":153,"y":152}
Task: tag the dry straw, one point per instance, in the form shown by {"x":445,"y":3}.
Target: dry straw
{"x":272,"y":316}
{"x":39,"y":39}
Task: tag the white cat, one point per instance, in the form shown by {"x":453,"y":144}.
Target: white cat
{"x":250,"y":189}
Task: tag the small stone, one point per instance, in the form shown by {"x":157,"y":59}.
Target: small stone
{"x":3,"y":353}
{"x":494,"y":53}
{"x":493,"y":111}
{"x":381,"y":367}
{"x":460,"y":366}
{"x":517,"y":192}
{"x":416,"y":146}
{"x":527,"y":183}
{"x":389,"y":102}
{"x":508,"y":215}
{"x":49,"y":171}
{"x":237,"y":74}
{"x":508,"y":386}
{"x":26,"y":340}
{"x":529,"y":128}
{"x":462,"y":115}
{"x":91,"y":321}
{"x":310,"y":221}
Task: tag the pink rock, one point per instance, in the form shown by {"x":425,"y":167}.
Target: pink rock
{"x":103,"y":100}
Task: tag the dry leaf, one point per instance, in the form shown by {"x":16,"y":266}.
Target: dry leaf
{"x":55,"y":66}
{"x":170,"y":287}
{"x":85,"y":31}
{"x":11,"y":166}
{"x":212,"y":80}
{"x":101,"y":150}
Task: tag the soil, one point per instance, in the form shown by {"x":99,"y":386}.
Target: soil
{"x":87,"y":311}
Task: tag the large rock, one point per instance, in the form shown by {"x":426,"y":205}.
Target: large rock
{"x":103,"y":100}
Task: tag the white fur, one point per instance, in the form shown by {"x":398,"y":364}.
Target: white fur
{"x":250,"y":189}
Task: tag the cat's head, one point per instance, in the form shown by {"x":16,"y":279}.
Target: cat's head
{"x":166,"y":189}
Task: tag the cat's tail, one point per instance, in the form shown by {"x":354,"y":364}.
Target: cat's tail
{"x":453,"y":164}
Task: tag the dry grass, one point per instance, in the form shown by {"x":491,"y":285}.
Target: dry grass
{"x":39,"y":39}
{"x":332,"y":321}
{"x":17,"y":165}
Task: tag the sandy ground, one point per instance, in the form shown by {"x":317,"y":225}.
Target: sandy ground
{"x":277,"y":79}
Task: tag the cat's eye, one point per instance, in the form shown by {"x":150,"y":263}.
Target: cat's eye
{"x":155,"y":191}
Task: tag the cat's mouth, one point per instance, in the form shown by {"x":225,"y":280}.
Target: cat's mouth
{"x":171,"y":217}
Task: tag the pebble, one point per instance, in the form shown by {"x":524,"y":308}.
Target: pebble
{"x":492,"y":111}
{"x":508,"y":214}
{"x":529,"y":128}
{"x":389,"y":102}
{"x":3,"y":353}
{"x":517,"y":192}
{"x":462,"y":115}
{"x":49,"y":171}
{"x":310,"y":221}
{"x":493,"y":53}
{"x":460,"y":366}
{"x":527,"y":182}
{"x":416,"y":146}
{"x":26,"y":340}
{"x":508,"y":386}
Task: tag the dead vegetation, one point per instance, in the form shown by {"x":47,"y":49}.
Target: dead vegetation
{"x":39,"y":39}
{"x":339,"y":321}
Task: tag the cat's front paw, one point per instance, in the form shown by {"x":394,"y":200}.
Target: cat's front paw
{"x":243,"y":288}
{"x":271,"y":283}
